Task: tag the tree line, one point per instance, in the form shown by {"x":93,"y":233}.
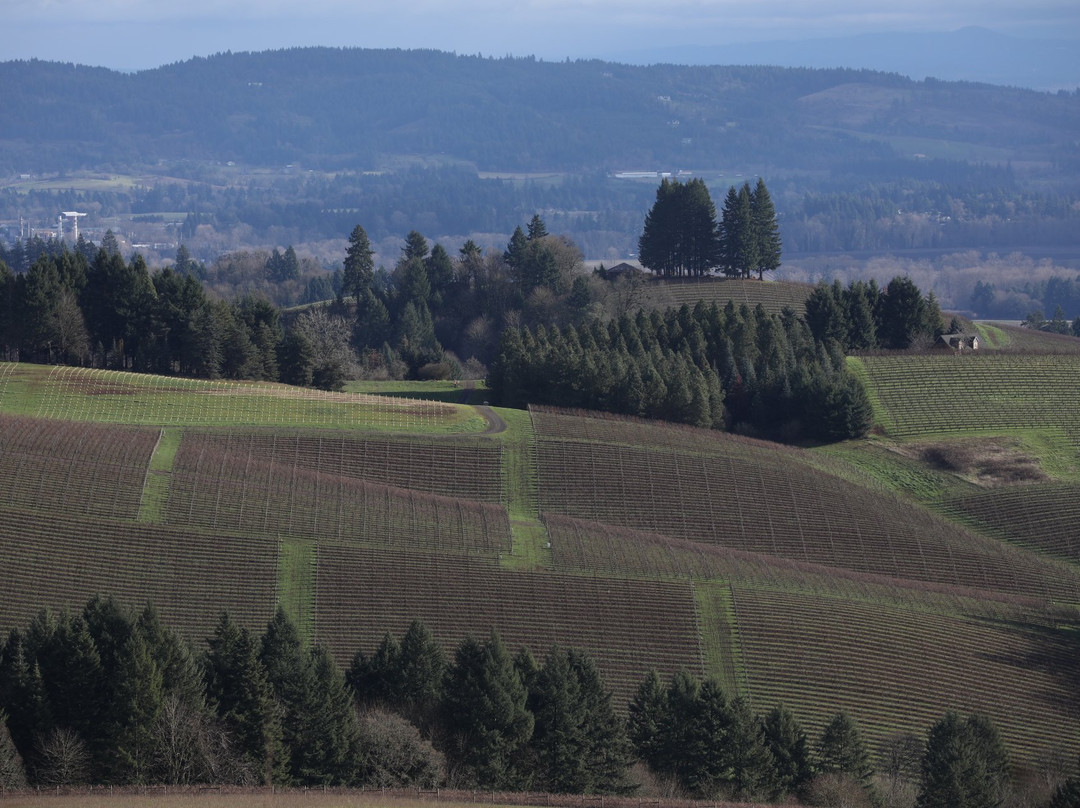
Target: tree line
{"x":864,"y":317}
{"x":736,"y":368}
{"x":682,"y":236}
{"x":113,"y":697}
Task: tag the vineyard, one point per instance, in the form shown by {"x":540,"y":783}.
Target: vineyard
{"x":58,"y":562}
{"x":854,"y":576}
{"x":742,"y":496}
{"x":945,"y":393}
{"x":628,"y":626}
{"x":774,"y":296}
{"x":318,"y":487}
{"x":894,"y":668}
{"x":1043,"y":517}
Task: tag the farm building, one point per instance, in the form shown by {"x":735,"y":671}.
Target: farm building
{"x":958,"y":343}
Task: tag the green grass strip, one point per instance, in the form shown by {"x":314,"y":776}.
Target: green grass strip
{"x":720,"y":646}
{"x":296,"y":584}
{"x":155,"y":493}
{"x":881,"y":415}
{"x":531,"y":545}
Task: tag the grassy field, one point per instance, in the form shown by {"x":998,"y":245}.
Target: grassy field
{"x":926,"y":568}
{"x":79,"y":394}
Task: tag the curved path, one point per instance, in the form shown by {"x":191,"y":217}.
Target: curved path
{"x":495,"y":423}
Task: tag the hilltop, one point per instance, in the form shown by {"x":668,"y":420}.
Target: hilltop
{"x":876,"y":576}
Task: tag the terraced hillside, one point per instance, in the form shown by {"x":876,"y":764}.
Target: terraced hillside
{"x":803,"y":577}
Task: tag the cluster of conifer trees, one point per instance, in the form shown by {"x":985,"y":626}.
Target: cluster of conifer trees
{"x":707,"y":366}
{"x":105,"y":696}
{"x":682,"y":235}
{"x":863,"y":317}
{"x":90,"y":306}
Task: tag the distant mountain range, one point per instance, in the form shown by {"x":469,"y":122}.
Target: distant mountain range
{"x":969,"y":54}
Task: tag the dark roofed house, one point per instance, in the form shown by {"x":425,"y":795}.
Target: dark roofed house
{"x":958,"y":343}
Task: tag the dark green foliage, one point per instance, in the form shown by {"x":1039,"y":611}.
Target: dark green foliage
{"x":841,"y":750}
{"x":646,"y":715}
{"x":485,"y":710}
{"x":359,"y":268}
{"x":860,"y":318}
{"x":707,"y":367}
{"x":766,"y":229}
{"x":1067,"y":795}
{"x":580,"y":745}
{"x":790,"y":750}
{"x":753,"y":768}
{"x":707,"y":745}
{"x":238,"y":689}
{"x":679,"y":235}
{"x":964,"y":764}
{"x":739,"y":233}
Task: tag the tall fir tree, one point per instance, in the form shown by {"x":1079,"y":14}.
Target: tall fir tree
{"x":766,"y":230}
{"x":238,"y":688}
{"x":485,"y":708}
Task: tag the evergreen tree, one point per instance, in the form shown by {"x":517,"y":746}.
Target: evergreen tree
{"x":646,"y":718}
{"x":903,"y":314}
{"x":288,"y":670}
{"x":766,"y":230}
{"x":330,"y":753}
{"x":537,"y":228}
{"x":140,"y":700}
{"x":238,"y":688}
{"x":359,"y":266}
{"x":753,"y":767}
{"x":579,"y":742}
{"x":421,"y":671}
{"x":486,"y":712}
{"x":964,"y":765}
{"x":679,"y":236}
{"x":841,"y":750}
{"x":739,"y":245}
{"x":790,"y":750}
{"x":415,"y":248}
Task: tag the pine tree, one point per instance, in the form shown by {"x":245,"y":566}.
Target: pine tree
{"x":679,"y":236}
{"x":646,"y":715}
{"x":140,"y":700}
{"x":289,"y":672}
{"x":330,"y":754}
{"x":537,"y":228}
{"x":421,"y":671}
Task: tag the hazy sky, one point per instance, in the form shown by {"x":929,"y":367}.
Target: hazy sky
{"x":132,"y":34}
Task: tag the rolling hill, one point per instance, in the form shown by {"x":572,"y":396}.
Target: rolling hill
{"x":885,"y":577}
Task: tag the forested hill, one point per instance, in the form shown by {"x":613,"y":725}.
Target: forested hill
{"x":355,"y":109}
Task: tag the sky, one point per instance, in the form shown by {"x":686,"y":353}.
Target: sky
{"x":138,"y":34}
